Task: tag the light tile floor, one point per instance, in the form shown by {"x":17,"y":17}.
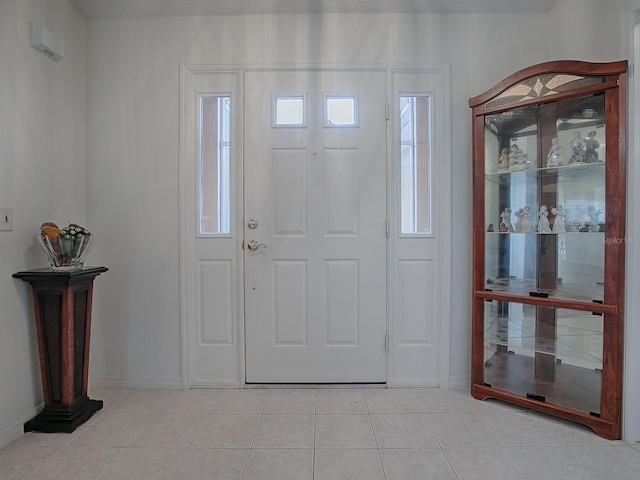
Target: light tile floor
{"x":316,"y":434}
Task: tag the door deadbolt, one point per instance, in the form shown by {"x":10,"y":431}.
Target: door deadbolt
{"x":252,"y":223}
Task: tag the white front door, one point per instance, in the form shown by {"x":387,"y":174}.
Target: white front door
{"x":315,"y":200}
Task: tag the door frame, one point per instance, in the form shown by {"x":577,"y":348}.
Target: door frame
{"x":190,"y":301}
{"x":629,"y":16}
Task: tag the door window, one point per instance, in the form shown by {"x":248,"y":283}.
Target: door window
{"x":290,"y":110}
{"x":340,"y":110}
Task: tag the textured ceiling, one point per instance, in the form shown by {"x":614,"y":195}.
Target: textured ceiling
{"x":170,"y":8}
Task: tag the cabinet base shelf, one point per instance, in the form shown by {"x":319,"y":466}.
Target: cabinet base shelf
{"x":59,"y":419}
{"x":558,"y":382}
{"x":602,"y":427}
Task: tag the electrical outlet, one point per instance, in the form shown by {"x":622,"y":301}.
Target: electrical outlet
{"x":6,"y":219}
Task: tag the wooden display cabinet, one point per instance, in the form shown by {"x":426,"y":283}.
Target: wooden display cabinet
{"x":549,"y":241}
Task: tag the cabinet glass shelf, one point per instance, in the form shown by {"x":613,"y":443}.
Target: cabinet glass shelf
{"x":584,"y":171}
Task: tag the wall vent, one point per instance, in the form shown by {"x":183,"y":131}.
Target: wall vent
{"x":44,"y":41}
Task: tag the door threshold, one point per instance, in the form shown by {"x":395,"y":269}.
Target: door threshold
{"x":314,"y":385}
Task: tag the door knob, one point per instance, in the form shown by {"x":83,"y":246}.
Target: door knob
{"x":253,"y":245}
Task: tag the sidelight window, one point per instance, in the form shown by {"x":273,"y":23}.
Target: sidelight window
{"x":214,"y":183}
{"x":415,"y":164}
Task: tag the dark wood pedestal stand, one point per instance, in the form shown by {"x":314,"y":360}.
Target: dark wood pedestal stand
{"x":62,"y":303}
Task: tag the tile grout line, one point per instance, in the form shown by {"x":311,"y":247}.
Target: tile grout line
{"x":567,"y":446}
{"x":192,"y":438}
{"x":564,"y":444}
{"x":255,"y":434}
{"x":436,"y":438}
{"x":506,"y":449}
{"x":570,"y":447}
{"x":315,"y":429}
{"x":122,"y":449}
{"x":375,"y":437}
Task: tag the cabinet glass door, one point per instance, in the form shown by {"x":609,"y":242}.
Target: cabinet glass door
{"x":545,"y":211}
{"x":548,"y":354}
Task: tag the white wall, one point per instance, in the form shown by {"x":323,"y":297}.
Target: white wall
{"x":42,"y":172}
{"x":483,"y":50}
{"x":586,"y":29}
{"x":132,"y":78}
{"x":132,"y":105}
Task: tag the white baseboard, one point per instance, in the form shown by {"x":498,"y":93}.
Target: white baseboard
{"x":414,"y":383}
{"x":119,"y":381}
{"x":16,"y":430}
{"x":215,"y":384}
{"x":460,"y":382}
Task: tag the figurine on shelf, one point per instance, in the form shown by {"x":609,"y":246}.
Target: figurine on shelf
{"x":523,"y":158}
{"x":518,"y":213}
{"x":594,"y":219}
{"x":503,"y":228}
{"x":505,"y":217}
{"x":490,"y":228}
{"x":523,"y":224}
{"x":577,"y":148}
{"x":591,"y":144}
{"x":513,"y":152}
{"x":517,"y":159}
{"x":503,"y":161}
{"x":576,"y":226}
{"x":555,"y":155}
{"x":558,"y":222}
{"x":543,"y":220}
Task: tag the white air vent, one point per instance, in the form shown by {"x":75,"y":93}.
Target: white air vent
{"x":43,"y":40}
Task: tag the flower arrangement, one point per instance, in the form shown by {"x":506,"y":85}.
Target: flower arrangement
{"x":66,"y":248}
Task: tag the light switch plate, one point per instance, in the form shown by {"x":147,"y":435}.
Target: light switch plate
{"x":6,"y":219}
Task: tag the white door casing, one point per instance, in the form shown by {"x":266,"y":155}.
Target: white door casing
{"x":212,"y":267}
{"x":630,"y":48}
{"x":210,"y":287}
{"x":420,"y":267}
{"x":315,"y":294}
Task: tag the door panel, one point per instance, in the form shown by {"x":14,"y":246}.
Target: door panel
{"x":315,"y":293}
